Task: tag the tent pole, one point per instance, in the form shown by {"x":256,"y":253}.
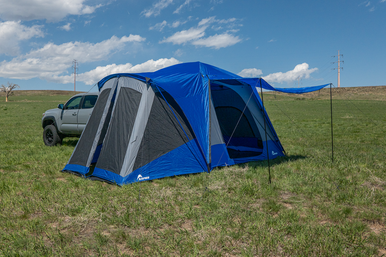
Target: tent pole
{"x":265,"y":131}
{"x":332,"y":131}
{"x":210,"y":125}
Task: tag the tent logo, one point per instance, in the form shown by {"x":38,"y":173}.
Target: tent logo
{"x":141,"y":178}
{"x":274,"y":153}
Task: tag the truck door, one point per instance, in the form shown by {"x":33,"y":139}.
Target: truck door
{"x":85,"y":111}
{"x":70,"y":116}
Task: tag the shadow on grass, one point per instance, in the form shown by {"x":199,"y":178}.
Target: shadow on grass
{"x":273,"y":162}
{"x":70,"y":142}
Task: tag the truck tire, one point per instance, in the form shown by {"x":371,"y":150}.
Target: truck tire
{"x":51,"y":136}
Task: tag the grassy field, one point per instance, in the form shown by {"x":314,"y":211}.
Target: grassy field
{"x":312,"y":208}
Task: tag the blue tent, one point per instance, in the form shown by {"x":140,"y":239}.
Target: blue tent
{"x":187,"y":118}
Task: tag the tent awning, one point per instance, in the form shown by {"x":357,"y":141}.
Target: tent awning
{"x":256,"y":83}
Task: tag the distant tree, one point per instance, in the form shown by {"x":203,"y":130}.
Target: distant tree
{"x":8,"y":90}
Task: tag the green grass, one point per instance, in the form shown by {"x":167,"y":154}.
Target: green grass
{"x":312,"y":208}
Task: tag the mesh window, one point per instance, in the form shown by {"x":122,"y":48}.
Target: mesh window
{"x":117,"y":139}
{"x":163,"y":133}
{"x":84,"y":145}
{"x":228,"y":118}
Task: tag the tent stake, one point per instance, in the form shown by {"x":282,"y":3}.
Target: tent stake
{"x":332,"y":131}
{"x":265,"y":131}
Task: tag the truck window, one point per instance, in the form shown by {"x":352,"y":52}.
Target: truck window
{"x":89,"y":101}
{"x":73,"y":103}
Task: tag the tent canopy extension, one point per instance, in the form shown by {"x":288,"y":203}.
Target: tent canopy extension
{"x":187,"y":118}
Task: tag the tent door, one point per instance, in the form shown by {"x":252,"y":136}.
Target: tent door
{"x":237,"y":125}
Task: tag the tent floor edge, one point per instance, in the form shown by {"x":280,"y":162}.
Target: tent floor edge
{"x":74,"y":173}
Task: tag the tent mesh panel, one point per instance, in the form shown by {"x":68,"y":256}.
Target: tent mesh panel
{"x":163,"y":133}
{"x":117,"y":138}
{"x":84,"y":145}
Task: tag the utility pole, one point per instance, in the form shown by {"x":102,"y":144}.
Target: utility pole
{"x":74,"y":66}
{"x":339,"y":68}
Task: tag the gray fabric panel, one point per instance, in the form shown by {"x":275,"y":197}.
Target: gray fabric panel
{"x":138,"y":129}
{"x":82,"y":150}
{"x":132,"y":83}
{"x":216,"y":135}
{"x":117,"y":138}
{"x":163,"y":132}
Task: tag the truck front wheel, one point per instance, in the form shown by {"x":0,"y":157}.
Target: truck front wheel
{"x":51,"y":136}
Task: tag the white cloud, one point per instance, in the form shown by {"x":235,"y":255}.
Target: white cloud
{"x":157,"y":7}
{"x":12,"y":32}
{"x":53,"y":60}
{"x":66,"y":27}
{"x":300,"y":71}
{"x":51,"y":10}
{"x":176,"y":24}
{"x":185,"y":36}
{"x":382,"y":1}
{"x":250,"y":73}
{"x":272,"y":40}
{"x":159,"y":26}
{"x":93,"y":76}
{"x":207,"y":21}
{"x":178,"y":52}
{"x":218,"y":41}
{"x":195,"y":35}
{"x":368,"y":4}
{"x":182,"y":6}
{"x":227,"y":21}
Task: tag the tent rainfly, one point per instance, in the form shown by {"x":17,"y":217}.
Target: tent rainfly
{"x":186,"y":118}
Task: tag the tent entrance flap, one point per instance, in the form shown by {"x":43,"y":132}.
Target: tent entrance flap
{"x":238,"y":127}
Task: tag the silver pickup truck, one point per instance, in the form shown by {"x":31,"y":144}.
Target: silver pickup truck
{"x":69,"y":119}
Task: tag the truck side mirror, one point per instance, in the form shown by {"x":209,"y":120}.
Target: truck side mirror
{"x":60,"y":106}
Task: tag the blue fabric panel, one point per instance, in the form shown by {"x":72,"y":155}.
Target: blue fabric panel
{"x":301,"y":90}
{"x":77,"y":168}
{"x":196,"y":110}
{"x":177,"y":162}
{"x":96,"y":154}
{"x":107,"y":175}
{"x":246,"y":149}
{"x":190,"y":90}
{"x":255,"y":82}
{"x":220,"y":156}
{"x":273,"y":149}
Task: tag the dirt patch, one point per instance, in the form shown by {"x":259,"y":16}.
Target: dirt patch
{"x":376,"y":227}
{"x":325,"y":222}
{"x":374,"y":183}
{"x":187,"y":225}
{"x":43,"y":92}
{"x":62,"y":179}
{"x":287,"y":205}
{"x":382,"y":251}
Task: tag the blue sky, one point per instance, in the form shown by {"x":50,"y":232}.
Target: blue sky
{"x":288,"y":43}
